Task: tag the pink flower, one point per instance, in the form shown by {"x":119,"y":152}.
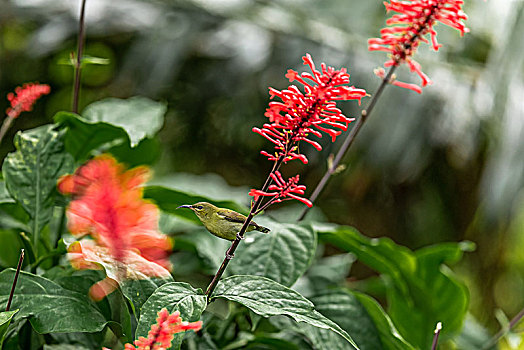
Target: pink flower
{"x":302,"y":114}
{"x":25,"y":97}
{"x":161,"y":334}
{"x":282,"y":190}
{"x":407,"y":29}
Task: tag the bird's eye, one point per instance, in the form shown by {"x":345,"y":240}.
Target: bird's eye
{"x":199,"y":207}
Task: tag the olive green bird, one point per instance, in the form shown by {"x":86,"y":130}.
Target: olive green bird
{"x":221,"y":222}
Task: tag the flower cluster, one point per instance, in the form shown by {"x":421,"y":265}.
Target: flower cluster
{"x":407,"y":29}
{"x":108,"y":206}
{"x":161,"y":334}
{"x":24,"y":97}
{"x":301,"y":114}
{"x":282,"y":190}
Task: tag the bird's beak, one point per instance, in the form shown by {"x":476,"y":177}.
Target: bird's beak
{"x":185,"y":206}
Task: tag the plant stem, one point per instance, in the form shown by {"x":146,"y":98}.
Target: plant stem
{"x":231,"y":251}
{"x":348,"y":141}
{"x":20,"y":260}
{"x":516,"y":319}
{"x":5,"y":126}
{"x":438,"y":328}
{"x":79,"y":52}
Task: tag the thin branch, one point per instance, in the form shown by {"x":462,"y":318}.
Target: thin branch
{"x":79,"y":52}
{"x":20,"y":260}
{"x":231,"y":251}
{"x":348,"y":141}
{"x":5,"y":126}
{"x":438,"y":328}
{"x":516,"y":319}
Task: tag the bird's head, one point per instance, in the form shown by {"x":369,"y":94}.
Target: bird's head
{"x":201,"y":209}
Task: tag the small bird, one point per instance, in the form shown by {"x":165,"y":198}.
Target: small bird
{"x":221,"y":222}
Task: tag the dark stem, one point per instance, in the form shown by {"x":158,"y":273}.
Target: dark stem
{"x":78,"y":63}
{"x":348,"y":141}
{"x":438,"y":328}
{"x":516,"y":319}
{"x":231,"y":251}
{"x":5,"y":126}
{"x":20,"y":260}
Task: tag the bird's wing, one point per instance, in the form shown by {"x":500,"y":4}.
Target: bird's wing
{"x":230,"y":215}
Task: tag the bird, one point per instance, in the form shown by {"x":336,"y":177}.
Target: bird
{"x":221,"y":222}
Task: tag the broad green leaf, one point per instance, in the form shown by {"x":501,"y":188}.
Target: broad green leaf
{"x":83,"y":136}
{"x":32,"y":171}
{"x":414,"y":278}
{"x":64,"y":347}
{"x":138,"y":291}
{"x":175,"y":296}
{"x":283,"y":254}
{"x":10,"y":246}
{"x":139,"y":116}
{"x":5,"y":197}
{"x":389,"y":336}
{"x":268,"y":298}
{"x":347,"y":311}
{"x":169,"y":200}
{"x":50,"y":307}
{"x":5,"y":320}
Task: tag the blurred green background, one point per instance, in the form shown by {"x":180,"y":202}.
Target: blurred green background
{"x":447,"y":165}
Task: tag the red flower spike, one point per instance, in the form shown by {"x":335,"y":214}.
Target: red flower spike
{"x":108,"y":206}
{"x":161,"y":334}
{"x":407,"y":29}
{"x":301,"y":114}
{"x":282,"y":190}
{"x":24,"y":97}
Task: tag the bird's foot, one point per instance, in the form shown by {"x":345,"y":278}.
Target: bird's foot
{"x":239,"y":237}
{"x":230,"y":256}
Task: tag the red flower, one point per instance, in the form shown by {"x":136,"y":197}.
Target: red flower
{"x":300,"y":115}
{"x":24,"y":98}
{"x":407,"y":29}
{"x":161,"y":334}
{"x":282,"y":190}
{"x":108,"y":206}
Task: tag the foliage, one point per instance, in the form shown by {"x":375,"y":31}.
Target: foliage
{"x":291,"y":288}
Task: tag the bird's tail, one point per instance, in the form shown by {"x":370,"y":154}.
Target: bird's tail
{"x":262,"y":229}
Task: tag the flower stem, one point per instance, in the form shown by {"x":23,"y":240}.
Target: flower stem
{"x":5,"y":126}
{"x":438,"y":328}
{"x":516,"y":319}
{"x":20,"y":260}
{"x":231,"y":251}
{"x":348,"y":141}
{"x":79,"y":52}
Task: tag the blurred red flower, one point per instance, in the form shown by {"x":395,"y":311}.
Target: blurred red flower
{"x":24,"y":97}
{"x":161,"y":334}
{"x":108,"y":206}
{"x":300,"y":115}
{"x":407,"y":29}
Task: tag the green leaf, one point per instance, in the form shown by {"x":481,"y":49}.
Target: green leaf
{"x":5,"y":197}
{"x":413,"y":279}
{"x":139,"y":116}
{"x":32,"y":171}
{"x":337,"y":305}
{"x":169,"y":199}
{"x":50,"y":307}
{"x":86,"y":60}
{"x":268,"y":298}
{"x":175,"y":296}
{"x":389,"y":335}
{"x":283,"y":254}
{"x":137,"y":291}
{"x":83,"y":136}
{"x":5,"y":320}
